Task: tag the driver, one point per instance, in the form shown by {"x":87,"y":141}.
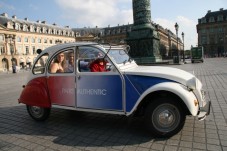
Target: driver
{"x":99,"y":65}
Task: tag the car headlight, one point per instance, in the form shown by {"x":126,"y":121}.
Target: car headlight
{"x":192,"y":83}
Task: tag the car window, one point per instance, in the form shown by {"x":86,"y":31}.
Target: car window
{"x":62,"y":62}
{"x":91,"y":59}
{"x":39,"y":67}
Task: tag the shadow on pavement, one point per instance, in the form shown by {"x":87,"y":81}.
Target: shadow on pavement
{"x":73,"y":128}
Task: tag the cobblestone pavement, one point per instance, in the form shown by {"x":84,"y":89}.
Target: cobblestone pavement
{"x":68,"y":130}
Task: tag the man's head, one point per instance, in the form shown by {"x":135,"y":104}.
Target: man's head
{"x":71,"y":57}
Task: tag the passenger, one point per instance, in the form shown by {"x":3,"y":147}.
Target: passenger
{"x":99,"y":65}
{"x":70,"y":66}
{"x":58,"y":64}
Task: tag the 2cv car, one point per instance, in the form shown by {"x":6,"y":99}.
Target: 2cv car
{"x":66,"y":76}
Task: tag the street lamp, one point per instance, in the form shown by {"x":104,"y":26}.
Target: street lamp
{"x":177,"y":27}
{"x":183,"y":46}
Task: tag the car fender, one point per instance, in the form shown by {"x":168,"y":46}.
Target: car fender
{"x":181,"y":91}
{"x":35,"y":93}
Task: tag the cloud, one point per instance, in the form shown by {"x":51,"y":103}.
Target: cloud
{"x":96,"y":12}
{"x":6,"y":6}
{"x":186,"y":25}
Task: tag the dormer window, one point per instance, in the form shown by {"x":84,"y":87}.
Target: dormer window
{"x":203,"y":20}
{"x":25,"y":28}
{"x":17,"y":26}
{"x":211,"y":19}
{"x":220,"y":18}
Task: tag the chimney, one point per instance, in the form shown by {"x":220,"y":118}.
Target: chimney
{"x":14,"y":17}
{"x":209,"y":11}
{"x":5,"y":14}
{"x":26,"y":19}
{"x":54,"y":24}
{"x":44,"y":22}
{"x":66,"y":26}
{"x":221,"y":9}
{"x":38,"y":21}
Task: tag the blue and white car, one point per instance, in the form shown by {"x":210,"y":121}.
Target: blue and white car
{"x":162,"y":95}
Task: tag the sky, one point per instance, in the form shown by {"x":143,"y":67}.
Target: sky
{"x":102,"y":13}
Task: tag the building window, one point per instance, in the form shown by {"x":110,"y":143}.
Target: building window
{"x":17,"y":26}
{"x":204,"y":39}
{"x":18,"y":39}
{"x":33,"y":50}
{"x":25,"y":39}
{"x":203,"y":20}
{"x":33,"y":40}
{"x":211,"y":30}
{"x":27,"y":50}
{"x":1,"y":38}
{"x":2,"y":50}
{"x":19,"y":50}
{"x":211,"y":19}
{"x":38,"y":29}
{"x":51,"y":41}
{"x":220,"y":18}
{"x":220,"y":29}
{"x":25,"y":28}
{"x":203,"y":31}
{"x":45,"y":41}
{"x":39,"y":40}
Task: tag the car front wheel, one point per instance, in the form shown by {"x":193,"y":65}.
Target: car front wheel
{"x":38,"y":113}
{"x":164,"y":117}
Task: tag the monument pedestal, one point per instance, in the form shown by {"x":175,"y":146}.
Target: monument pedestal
{"x":144,"y":45}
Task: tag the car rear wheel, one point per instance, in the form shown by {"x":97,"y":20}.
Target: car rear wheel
{"x":164,"y":117}
{"x":38,"y":113}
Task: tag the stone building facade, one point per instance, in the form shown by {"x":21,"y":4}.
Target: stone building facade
{"x":168,"y":40}
{"x":19,"y":40}
{"x":212,"y":33}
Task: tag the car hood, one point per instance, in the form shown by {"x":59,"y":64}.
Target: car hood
{"x":170,"y":73}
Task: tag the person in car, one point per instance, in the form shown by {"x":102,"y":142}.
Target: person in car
{"x":70,"y":65}
{"x":99,"y":65}
{"x":59,"y":64}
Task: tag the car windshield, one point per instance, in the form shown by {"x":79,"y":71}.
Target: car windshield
{"x":119,"y":56}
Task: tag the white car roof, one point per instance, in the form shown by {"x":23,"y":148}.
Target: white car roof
{"x":55,"y":48}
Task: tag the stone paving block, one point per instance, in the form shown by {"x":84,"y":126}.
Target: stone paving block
{"x":170,"y":148}
{"x":213,"y":141}
{"x":186,"y":144}
{"x":156,"y":146}
{"x":199,"y":146}
{"x":214,"y":147}
{"x":224,"y":143}
{"x":184,"y":149}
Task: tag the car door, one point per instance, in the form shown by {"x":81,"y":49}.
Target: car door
{"x":61,"y":83}
{"x":97,"y":90}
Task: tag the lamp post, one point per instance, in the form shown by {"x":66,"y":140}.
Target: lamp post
{"x":183,"y":46}
{"x":178,"y":56}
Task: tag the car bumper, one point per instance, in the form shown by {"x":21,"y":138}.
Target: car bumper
{"x":204,"y":111}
